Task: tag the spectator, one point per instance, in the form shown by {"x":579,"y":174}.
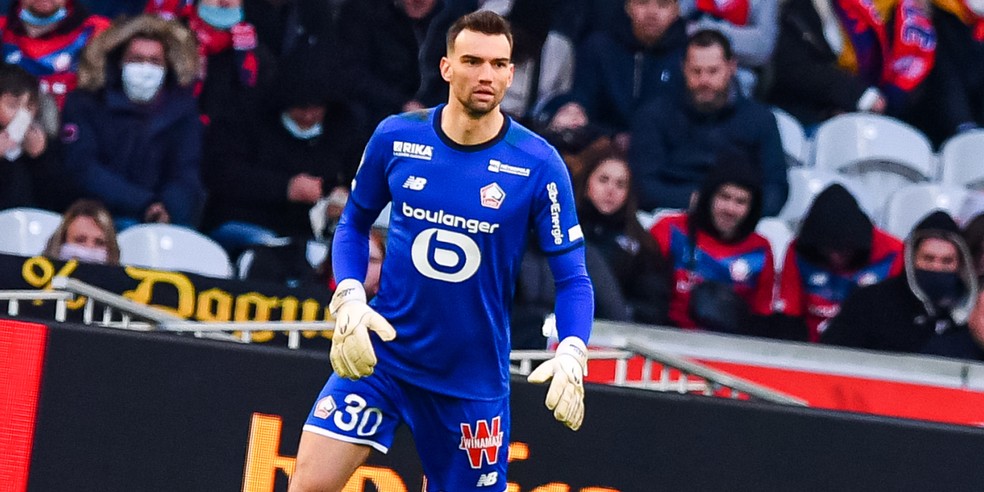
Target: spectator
{"x":973,"y":234}
{"x":620,"y":69}
{"x":715,"y":244}
{"x":837,"y":251}
{"x":954,"y":95}
{"x":293,"y":29}
{"x":924,"y":311}
{"x":131,"y":132}
{"x":606,"y":209}
{"x":676,"y":137}
{"x":25,"y":164}
{"x":46,"y":38}
{"x":86,"y":233}
{"x":235,"y":67}
{"x":841,"y":56}
{"x":374,"y":30}
{"x":750,"y":25}
{"x":265,"y":173}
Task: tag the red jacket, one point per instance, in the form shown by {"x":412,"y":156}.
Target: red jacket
{"x":815,"y":293}
{"x":53,"y":57}
{"x":746,"y":265}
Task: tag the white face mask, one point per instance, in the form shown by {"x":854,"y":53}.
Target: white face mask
{"x":295,"y":130}
{"x":976,"y":6}
{"x":82,"y":253}
{"x":141,"y":81}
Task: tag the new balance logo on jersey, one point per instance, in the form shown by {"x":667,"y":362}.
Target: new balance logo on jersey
{"x":487,"y":479}
{"x":485,"y":442}
{"x":414,"y":183}
{"x":413,"y":150}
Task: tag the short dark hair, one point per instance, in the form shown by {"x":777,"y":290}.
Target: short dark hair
{"x":16,"y":81}
{"x":483,"y":21}
{"x":706,"y":38}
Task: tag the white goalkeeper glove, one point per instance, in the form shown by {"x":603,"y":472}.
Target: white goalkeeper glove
{"x":352,"y":356}
{"x":567,"y":369}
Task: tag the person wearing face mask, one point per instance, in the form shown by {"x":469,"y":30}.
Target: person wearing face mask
{"x":27,"y":168}
{"x":86,"y":234}
{"x":265,"y":172}
{"x":923,"y":311}
{"x":46,"y":38}
{"x":131,"y":133}
{"x":235,"y":67}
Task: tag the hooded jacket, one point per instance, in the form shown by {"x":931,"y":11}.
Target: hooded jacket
{"x":809,"y":289}
{"x":674,"y":146}
{"x":131,"y":155}
{"x":697,"y":253}
{"x":615,"y":74}
{"x":897,"y":314}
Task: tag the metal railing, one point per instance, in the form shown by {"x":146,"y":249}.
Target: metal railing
{"x":693,"y":377}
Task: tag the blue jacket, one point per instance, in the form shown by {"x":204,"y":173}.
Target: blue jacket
{"x":130,"y":155}
{"x":673,"y":146}
{"x":615,"y":74}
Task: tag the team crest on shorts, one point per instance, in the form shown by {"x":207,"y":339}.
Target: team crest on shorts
{"x":482,"y":441}
{"x":325,"y":407}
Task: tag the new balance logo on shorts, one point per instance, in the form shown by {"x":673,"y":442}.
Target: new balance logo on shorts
{"x":414,"y":183}
{"x":487,"y":479}
{"x":484,"y":441}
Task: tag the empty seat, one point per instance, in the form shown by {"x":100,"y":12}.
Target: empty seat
{"x":779,"y":235}
{"x":171,"y":247}
{"x":25,"y":231}
{"x":914,"y":202}
{"x":962,"y":160}
{"x":882,"y":154}
{"x":794,"y":142}
{"x":806,"y":183}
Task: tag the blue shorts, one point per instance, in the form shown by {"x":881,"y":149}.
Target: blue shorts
{"x":462,"y":444}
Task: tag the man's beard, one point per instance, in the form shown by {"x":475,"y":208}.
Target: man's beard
{"x":710,"y":105}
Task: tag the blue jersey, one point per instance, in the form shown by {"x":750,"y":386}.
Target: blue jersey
{"x":459,"y":222}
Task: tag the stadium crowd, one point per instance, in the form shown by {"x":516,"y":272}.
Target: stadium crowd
{"x":245,"y":120}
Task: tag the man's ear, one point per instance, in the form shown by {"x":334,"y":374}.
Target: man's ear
{"x":446,"y":69}
{"x":694,"y":196}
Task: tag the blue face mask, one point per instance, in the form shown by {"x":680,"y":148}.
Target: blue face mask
{"x":296,"y":131}
{"x":220,"y":17}
{"x":38,"y":21}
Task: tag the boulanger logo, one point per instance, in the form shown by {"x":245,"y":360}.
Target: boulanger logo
{"x":413,"y":150}
{"x":444,"y":218}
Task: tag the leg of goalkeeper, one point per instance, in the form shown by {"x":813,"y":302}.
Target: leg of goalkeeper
{"x":325,"y":464}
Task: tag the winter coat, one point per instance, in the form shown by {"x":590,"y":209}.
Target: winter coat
{"x":130,"y":155}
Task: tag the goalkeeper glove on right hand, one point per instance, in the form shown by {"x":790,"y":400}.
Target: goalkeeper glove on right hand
{"x":566,"y":393}
{"x":352,"y":356}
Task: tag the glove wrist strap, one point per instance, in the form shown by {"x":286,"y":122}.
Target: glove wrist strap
{"x":574,"y":347}
{"x":348,"y":290}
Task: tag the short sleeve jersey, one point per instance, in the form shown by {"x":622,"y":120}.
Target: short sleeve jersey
{"x":458,"y":225}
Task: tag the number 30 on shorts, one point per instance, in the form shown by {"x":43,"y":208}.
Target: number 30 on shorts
{"x":356,"y":416}
{"x":445,"y":255}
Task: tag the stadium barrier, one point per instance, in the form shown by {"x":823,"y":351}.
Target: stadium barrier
{"x":120,"y":410}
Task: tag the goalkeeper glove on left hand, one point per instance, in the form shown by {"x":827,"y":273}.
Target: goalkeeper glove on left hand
{"x":566,"y":393}
{"x":352,"y":356}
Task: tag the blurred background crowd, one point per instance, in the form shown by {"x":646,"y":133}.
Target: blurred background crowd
{"x":702,"y":136}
